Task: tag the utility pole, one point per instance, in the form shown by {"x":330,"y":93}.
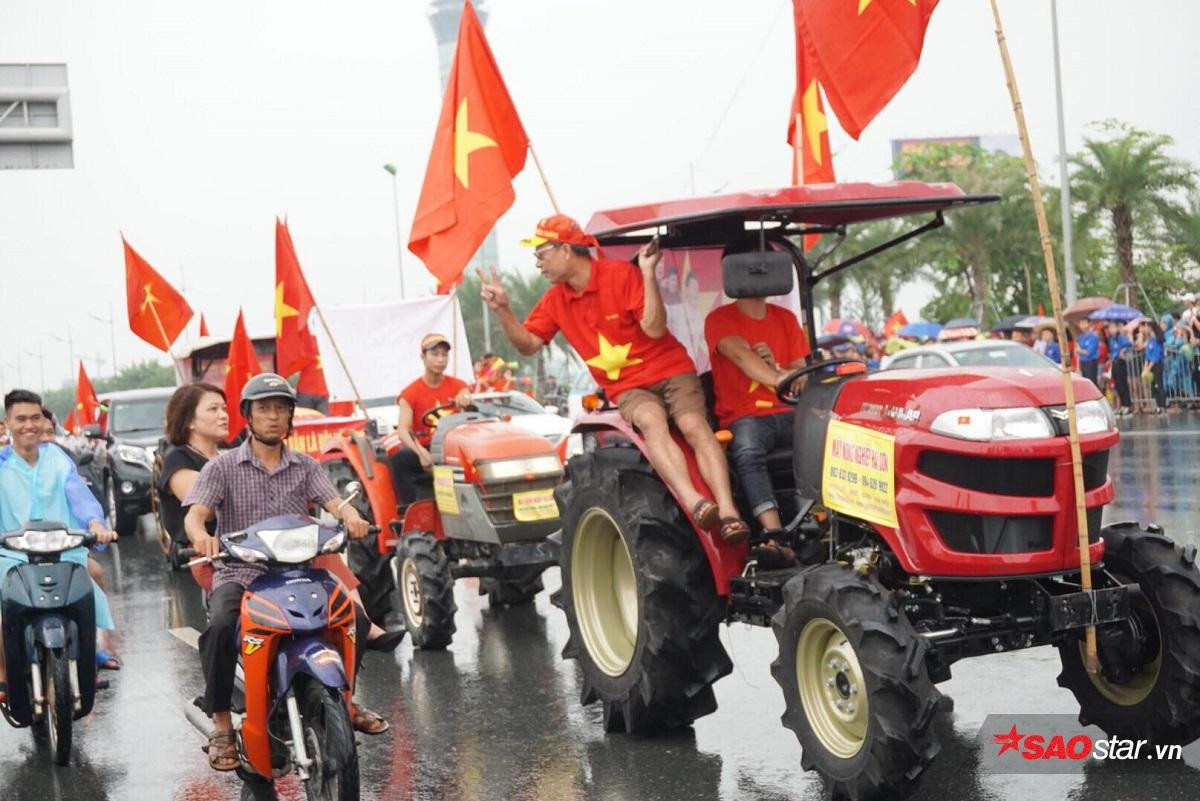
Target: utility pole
{"x":112,"y":332}
{"x":1064,"y":182}
{"x":41,"y":364}
{"x":391,"y":169}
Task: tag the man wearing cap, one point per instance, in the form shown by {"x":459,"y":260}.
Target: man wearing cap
{"x":428,"y":392}
{"x":612,"y":314}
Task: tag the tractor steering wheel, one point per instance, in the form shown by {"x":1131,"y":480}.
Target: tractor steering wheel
{"x":431,"y":417}
{"x":783,"y":390}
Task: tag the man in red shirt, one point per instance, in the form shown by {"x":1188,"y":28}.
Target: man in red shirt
{"x":431,"y":390}
{"x":753,"y":344}
{"x":613,"y":316}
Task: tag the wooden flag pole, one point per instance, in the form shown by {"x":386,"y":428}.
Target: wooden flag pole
{"x":1085,"y":566}
{"x":337,"y":352}
{"x":537,"y":163}
{"x":167,"y":344}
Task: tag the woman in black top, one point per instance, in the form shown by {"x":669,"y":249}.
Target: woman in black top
{"x":197,"y":422}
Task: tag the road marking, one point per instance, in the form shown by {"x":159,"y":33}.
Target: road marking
{"x":187,"y":635}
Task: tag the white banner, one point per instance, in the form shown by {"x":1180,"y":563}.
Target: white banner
{"x":381,"y":344}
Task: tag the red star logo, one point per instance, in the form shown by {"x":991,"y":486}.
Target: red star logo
{"x":1010,"y":741}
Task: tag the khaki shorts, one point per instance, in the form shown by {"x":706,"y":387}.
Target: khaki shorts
{"x":676,"y":395}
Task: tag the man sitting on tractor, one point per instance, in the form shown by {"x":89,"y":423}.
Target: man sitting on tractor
{"x":748,"y":341}
{"x":429,"y":392}
{"x":612,"y":314}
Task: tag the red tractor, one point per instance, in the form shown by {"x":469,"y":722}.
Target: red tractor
{"x":485,"y":512}
{"x":932,"y":512}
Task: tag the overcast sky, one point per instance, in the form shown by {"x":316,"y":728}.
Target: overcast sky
{"x":196,"y":123}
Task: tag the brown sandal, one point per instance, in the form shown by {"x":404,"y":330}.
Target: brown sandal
{"x":366,"y":721}
{"x":734,"y":530}
{"x":773,"y":556}
{"x":705,"y":513}
{"x":222,"y":751}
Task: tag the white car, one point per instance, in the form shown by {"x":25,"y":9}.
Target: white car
{"x":968,"y":353}
{"x":516,"y":407}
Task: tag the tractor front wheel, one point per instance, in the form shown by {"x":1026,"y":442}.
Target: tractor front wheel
{"x":1149,"y":683}
{"x":426,"y":589}
{"x":639,"y":596}
{"x":854,"y":682}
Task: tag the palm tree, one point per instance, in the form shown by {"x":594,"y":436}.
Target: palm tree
{"x":1130,"y":177}
{"x":1184,"y":227}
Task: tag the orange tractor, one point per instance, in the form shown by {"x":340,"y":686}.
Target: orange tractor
{"x":485,"y":510}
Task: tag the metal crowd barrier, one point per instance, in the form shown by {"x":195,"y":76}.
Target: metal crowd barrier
{"x":1178,"y":382}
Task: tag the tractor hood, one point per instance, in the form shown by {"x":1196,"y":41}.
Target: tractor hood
{"x":492,"y":439}
{"x":918,"y":396}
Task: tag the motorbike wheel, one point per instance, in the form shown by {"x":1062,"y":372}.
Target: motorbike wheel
{"x":426,"y":589}
{"x":511,"y":591}
{"x":60,"y":707}
{"x":257,"y":789}
{"x":639,"y":597}
{"x":329,"y":739}
{"x":1156,"y":699}
{"x":854,"y":683}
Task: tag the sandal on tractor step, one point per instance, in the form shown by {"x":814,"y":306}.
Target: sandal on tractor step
{"x":705,"y":513}
{"x":387,"y":642}
{"x":222,"y":751}
{"x":773,"y":556}
{"x":734,"y":530}
{"x":366,"y":721}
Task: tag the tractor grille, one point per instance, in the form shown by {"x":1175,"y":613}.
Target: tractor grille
{"x":1027,"y":478}
{"x":993,"y":533}
{"x":497,"y":497}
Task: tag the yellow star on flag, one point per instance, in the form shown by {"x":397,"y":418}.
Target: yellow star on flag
{"x":862,"y":4}
{"x":466,"y":142}
{"x":282,"y":310}
{"x":148,"y":299}
{"x":612,"y":358}
{"x":814,"y":120}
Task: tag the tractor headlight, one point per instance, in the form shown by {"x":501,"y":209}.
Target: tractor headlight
{"x":988,"y":425}
{"x":1094,"y":416}
{"x":513,"y":469}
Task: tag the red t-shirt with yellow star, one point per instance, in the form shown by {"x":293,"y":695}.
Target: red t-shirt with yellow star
{"x":738,"y":395}
{"x":422,"y":398}
{"x":603,"y":324}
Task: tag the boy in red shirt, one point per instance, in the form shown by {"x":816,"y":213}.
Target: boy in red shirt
{"x":753,"y":344}
{"x":613,"y":316}
{"x":431,"y":390}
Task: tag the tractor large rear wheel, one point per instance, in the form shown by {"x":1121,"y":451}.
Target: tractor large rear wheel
{"x":1149,"y":683}
{"x":639,"y":596}
{"x":854,"y":681}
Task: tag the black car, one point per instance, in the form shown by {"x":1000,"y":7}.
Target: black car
{"x":132,"y":427}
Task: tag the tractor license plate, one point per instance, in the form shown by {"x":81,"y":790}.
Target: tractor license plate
{"x":1076,"y":610}
{"x":534,"y":505}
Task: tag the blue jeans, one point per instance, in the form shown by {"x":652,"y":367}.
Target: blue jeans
{"x":753,"y":438}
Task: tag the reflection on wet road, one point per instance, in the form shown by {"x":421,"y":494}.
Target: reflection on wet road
{"x":497,"y":716}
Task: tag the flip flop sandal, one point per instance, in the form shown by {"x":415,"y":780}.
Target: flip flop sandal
{"x":366,"y":721}
{"x":734,"y":530}
{"x":106,"y":661}
{"x":222,"y":751}
{"x":705,"y":513}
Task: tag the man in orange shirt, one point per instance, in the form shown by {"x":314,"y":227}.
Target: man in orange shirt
{"x":613,"y":316}
{"x":431,"y":390}
{"x":753,"y":344}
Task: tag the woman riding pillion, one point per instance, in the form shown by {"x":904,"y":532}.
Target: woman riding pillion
{"x":259,"y":479}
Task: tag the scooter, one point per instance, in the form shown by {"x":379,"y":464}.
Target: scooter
{"x":49,"y":624}
{"x":296,"y":662}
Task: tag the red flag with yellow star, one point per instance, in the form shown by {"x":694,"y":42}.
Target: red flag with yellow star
{"x":862,"y":51}
{"x":808,"y":128}
{"x":157,"y":313}
{"x":241,"y":364}
{"x":86,"y":404}
{"x":478,"y":149}
{"x":295,"y":345}
{"x":203,"y":326}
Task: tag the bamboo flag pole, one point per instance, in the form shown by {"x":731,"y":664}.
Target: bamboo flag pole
{"x":537,"y":163}
{"x":1085,"y":566}
{"x":167,"y":343}
{"x":338,"y":352}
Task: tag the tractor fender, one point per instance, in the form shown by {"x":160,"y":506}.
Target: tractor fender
{"x":726,"y":561}
{"x":376,"y":478}
{"x":421,"y":515}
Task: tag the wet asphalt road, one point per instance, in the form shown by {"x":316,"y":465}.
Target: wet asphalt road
{"x":497,"y":716}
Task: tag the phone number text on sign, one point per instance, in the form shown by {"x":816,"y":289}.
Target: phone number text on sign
{"x":859,"y":473}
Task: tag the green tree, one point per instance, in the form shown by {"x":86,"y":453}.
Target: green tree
{"x":1128,"y":176}
{"x":879,"y":278}
{"x":133,"y":376}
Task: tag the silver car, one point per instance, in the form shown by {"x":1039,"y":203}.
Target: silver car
{"x":968,"y":353}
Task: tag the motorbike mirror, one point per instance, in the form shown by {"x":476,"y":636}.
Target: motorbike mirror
{"x":352,"y":491}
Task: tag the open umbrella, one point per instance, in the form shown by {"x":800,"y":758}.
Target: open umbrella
{"x":847,"y":328}
{"x":959,"y":328}
{"x":1118,"y":312}
{"x":830,"y":341}
{"x":920,"y":330}
{"x":1085,"y":306}
{"x":1033,"y":321}
{"x":1007,"y":324}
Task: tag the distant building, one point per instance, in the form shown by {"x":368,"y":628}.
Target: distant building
{"x":1003,"y":143}
{"x":35,"y":117}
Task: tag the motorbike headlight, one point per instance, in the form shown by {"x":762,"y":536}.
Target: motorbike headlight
{"x":44,"y":541}
{"x":247,"y":554}
{"x":134,"y":455}
{"x":510,"y":469}
{"x":1094,"y":416}
{"x":989,"y":425}
{"x":292,"y":545}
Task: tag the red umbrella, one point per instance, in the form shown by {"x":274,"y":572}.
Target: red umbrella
{"x":1085,"y":306}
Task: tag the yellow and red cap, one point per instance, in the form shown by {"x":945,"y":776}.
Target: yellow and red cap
{"x":560,"y":229}
{"x":432,"y":341}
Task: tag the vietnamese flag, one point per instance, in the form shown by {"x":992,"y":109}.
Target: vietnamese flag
{"x":808,"y":127}
{"x":203,"y":326}
{"x":295,"y":345}
{"x":86,"y":404}
{"x":240,"y":366}
{"x":894,"y":323}
{"x":312,"y":389}
{"x":157,"y":313}
{"x":862,"y":51}
{"x":71,"y":423}
{"x":478,"y":149}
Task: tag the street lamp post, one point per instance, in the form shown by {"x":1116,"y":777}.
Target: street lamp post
{"x":391,"y":169}
{"x":70,"y":343}
{"x":112,"y":332}
{"x":1068,"y":265}
{"x":41,"y":364}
